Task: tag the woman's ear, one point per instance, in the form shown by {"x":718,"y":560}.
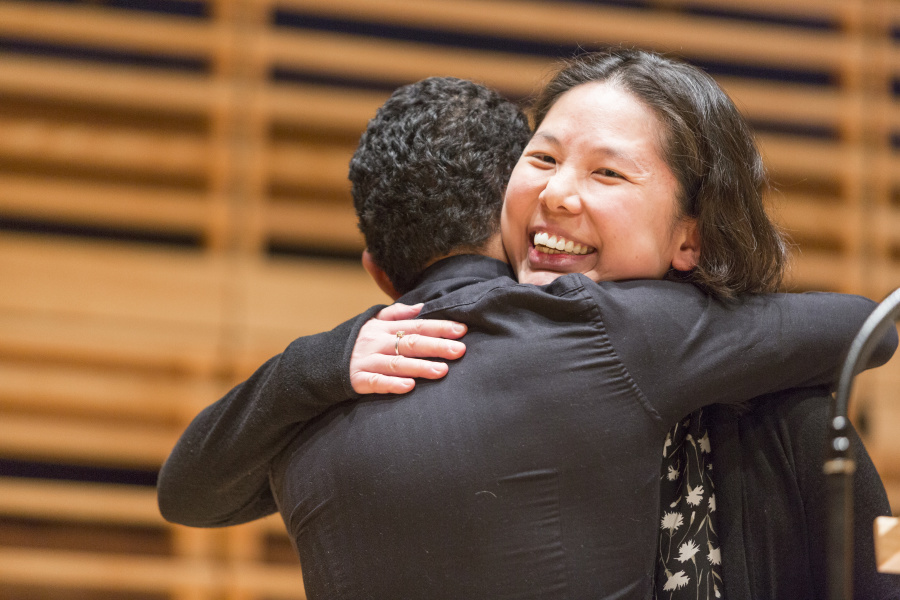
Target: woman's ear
{"x":687,"y":255}
{"x":378,"y":274}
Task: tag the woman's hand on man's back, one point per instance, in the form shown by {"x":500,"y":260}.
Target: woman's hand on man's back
{"x":392,"y":348}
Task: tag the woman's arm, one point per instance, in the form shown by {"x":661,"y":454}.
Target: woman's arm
{"x":772,"y":500}
{"x":806,"y":423}
{"x":217,"y":474}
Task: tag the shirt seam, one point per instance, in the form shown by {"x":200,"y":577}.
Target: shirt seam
{"x":500,"y":285}
{"x":599,"y":323}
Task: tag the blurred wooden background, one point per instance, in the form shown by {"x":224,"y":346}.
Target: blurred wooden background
{"x":174,"y":209}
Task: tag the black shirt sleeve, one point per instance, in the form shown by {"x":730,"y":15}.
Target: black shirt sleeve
{"x":685,"y":349}
{"x":217,"y":474}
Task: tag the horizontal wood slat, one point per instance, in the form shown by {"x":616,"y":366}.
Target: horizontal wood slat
{"x":564,"y":22}
{"x":808,"y":215}
{"x":102,"y":203}
{"x":106,"y":303}
{"x":113,"y":572}
{"x":94,"y":26}
{"x":76,"y":501}
{"x":815,"y":270}
{"x":321,"y":106}
{"x":57,"y":390}
{"x":400,"y":62}
{"x":279,"y":293}
{"x":696,"y":35}
{"x":316,"y":224}
{"x":149,"y":89}
{"x":100,"y":341}
{"x":169,"y":153}
{"x":176,"y":311}
{"x":810,"y":105}
{"x":892,"y":487}
{"x":312,"y":165}
{"x":797,"y":157}
{"x":881,"y":397}
{"x":80,"y":442}
{"x":106,"y":503}
{"x":350,"y":109}
{"x":110,"y":280}
{"x":73,"y":501}
{"x":399,"y":10}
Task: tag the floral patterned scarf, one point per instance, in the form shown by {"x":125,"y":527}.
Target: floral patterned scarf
{"x":688,"y":564}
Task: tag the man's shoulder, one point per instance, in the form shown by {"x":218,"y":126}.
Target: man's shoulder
{"x":508,"y":292}
{"x":627,"y":296}
{"x":642,"y":298}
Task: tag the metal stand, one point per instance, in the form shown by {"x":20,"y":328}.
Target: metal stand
{"x":839,"y":462}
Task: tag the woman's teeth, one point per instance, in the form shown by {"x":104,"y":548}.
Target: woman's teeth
{"x":556,"y":244}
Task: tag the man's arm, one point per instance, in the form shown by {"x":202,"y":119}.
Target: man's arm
{"x":217,"y":474}
{"x":684,"y":349}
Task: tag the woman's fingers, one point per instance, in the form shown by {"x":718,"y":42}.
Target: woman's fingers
{"x":435,"y":328}
{"x":399,"y":311}
{"x":387,"y":354}
{"x":394,"y":374}
{"x":375,"y":383}
{"x":417,"y":345}
{"x":419,"y":337}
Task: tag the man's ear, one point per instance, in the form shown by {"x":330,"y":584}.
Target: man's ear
{"x":687,"y":255}
{"x":378,"y":274}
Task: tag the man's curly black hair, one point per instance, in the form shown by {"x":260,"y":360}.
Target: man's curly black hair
{"x":430,"y":173}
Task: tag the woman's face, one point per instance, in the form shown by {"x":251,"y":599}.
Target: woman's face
{"x":592,"y":194}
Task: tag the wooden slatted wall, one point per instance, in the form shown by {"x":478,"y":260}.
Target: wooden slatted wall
{"x":174,"y":209}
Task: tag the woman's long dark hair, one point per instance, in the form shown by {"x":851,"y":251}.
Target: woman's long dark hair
{"x":710,"y":150}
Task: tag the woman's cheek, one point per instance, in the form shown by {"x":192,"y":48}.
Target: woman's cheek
{"x":514,"y":204}
{"x":523,"y":192}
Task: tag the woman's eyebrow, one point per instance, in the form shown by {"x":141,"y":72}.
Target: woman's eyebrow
{"x":548,"y":137}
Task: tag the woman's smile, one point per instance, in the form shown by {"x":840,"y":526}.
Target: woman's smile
{"x":557,"y":244}
{"x":553,"y":252}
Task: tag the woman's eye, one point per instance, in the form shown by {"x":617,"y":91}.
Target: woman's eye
{"x":545,"y":158}
{"x":608,"y":173}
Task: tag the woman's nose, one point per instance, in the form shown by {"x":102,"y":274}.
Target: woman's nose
{"x":561,"y":193}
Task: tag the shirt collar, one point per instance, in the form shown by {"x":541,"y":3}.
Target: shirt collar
{"x":453,"y":273}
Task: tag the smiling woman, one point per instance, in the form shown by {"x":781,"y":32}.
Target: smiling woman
{"x":647,"y":161}
{"x":592,"y":194}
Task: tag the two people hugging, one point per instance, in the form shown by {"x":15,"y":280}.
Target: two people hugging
{"x":634,"y":412}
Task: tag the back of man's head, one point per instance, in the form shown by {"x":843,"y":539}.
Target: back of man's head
{"x":430,"y":173}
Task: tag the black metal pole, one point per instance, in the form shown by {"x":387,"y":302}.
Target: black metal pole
{"x":839,"y":462}
{"x":839,"y":467}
